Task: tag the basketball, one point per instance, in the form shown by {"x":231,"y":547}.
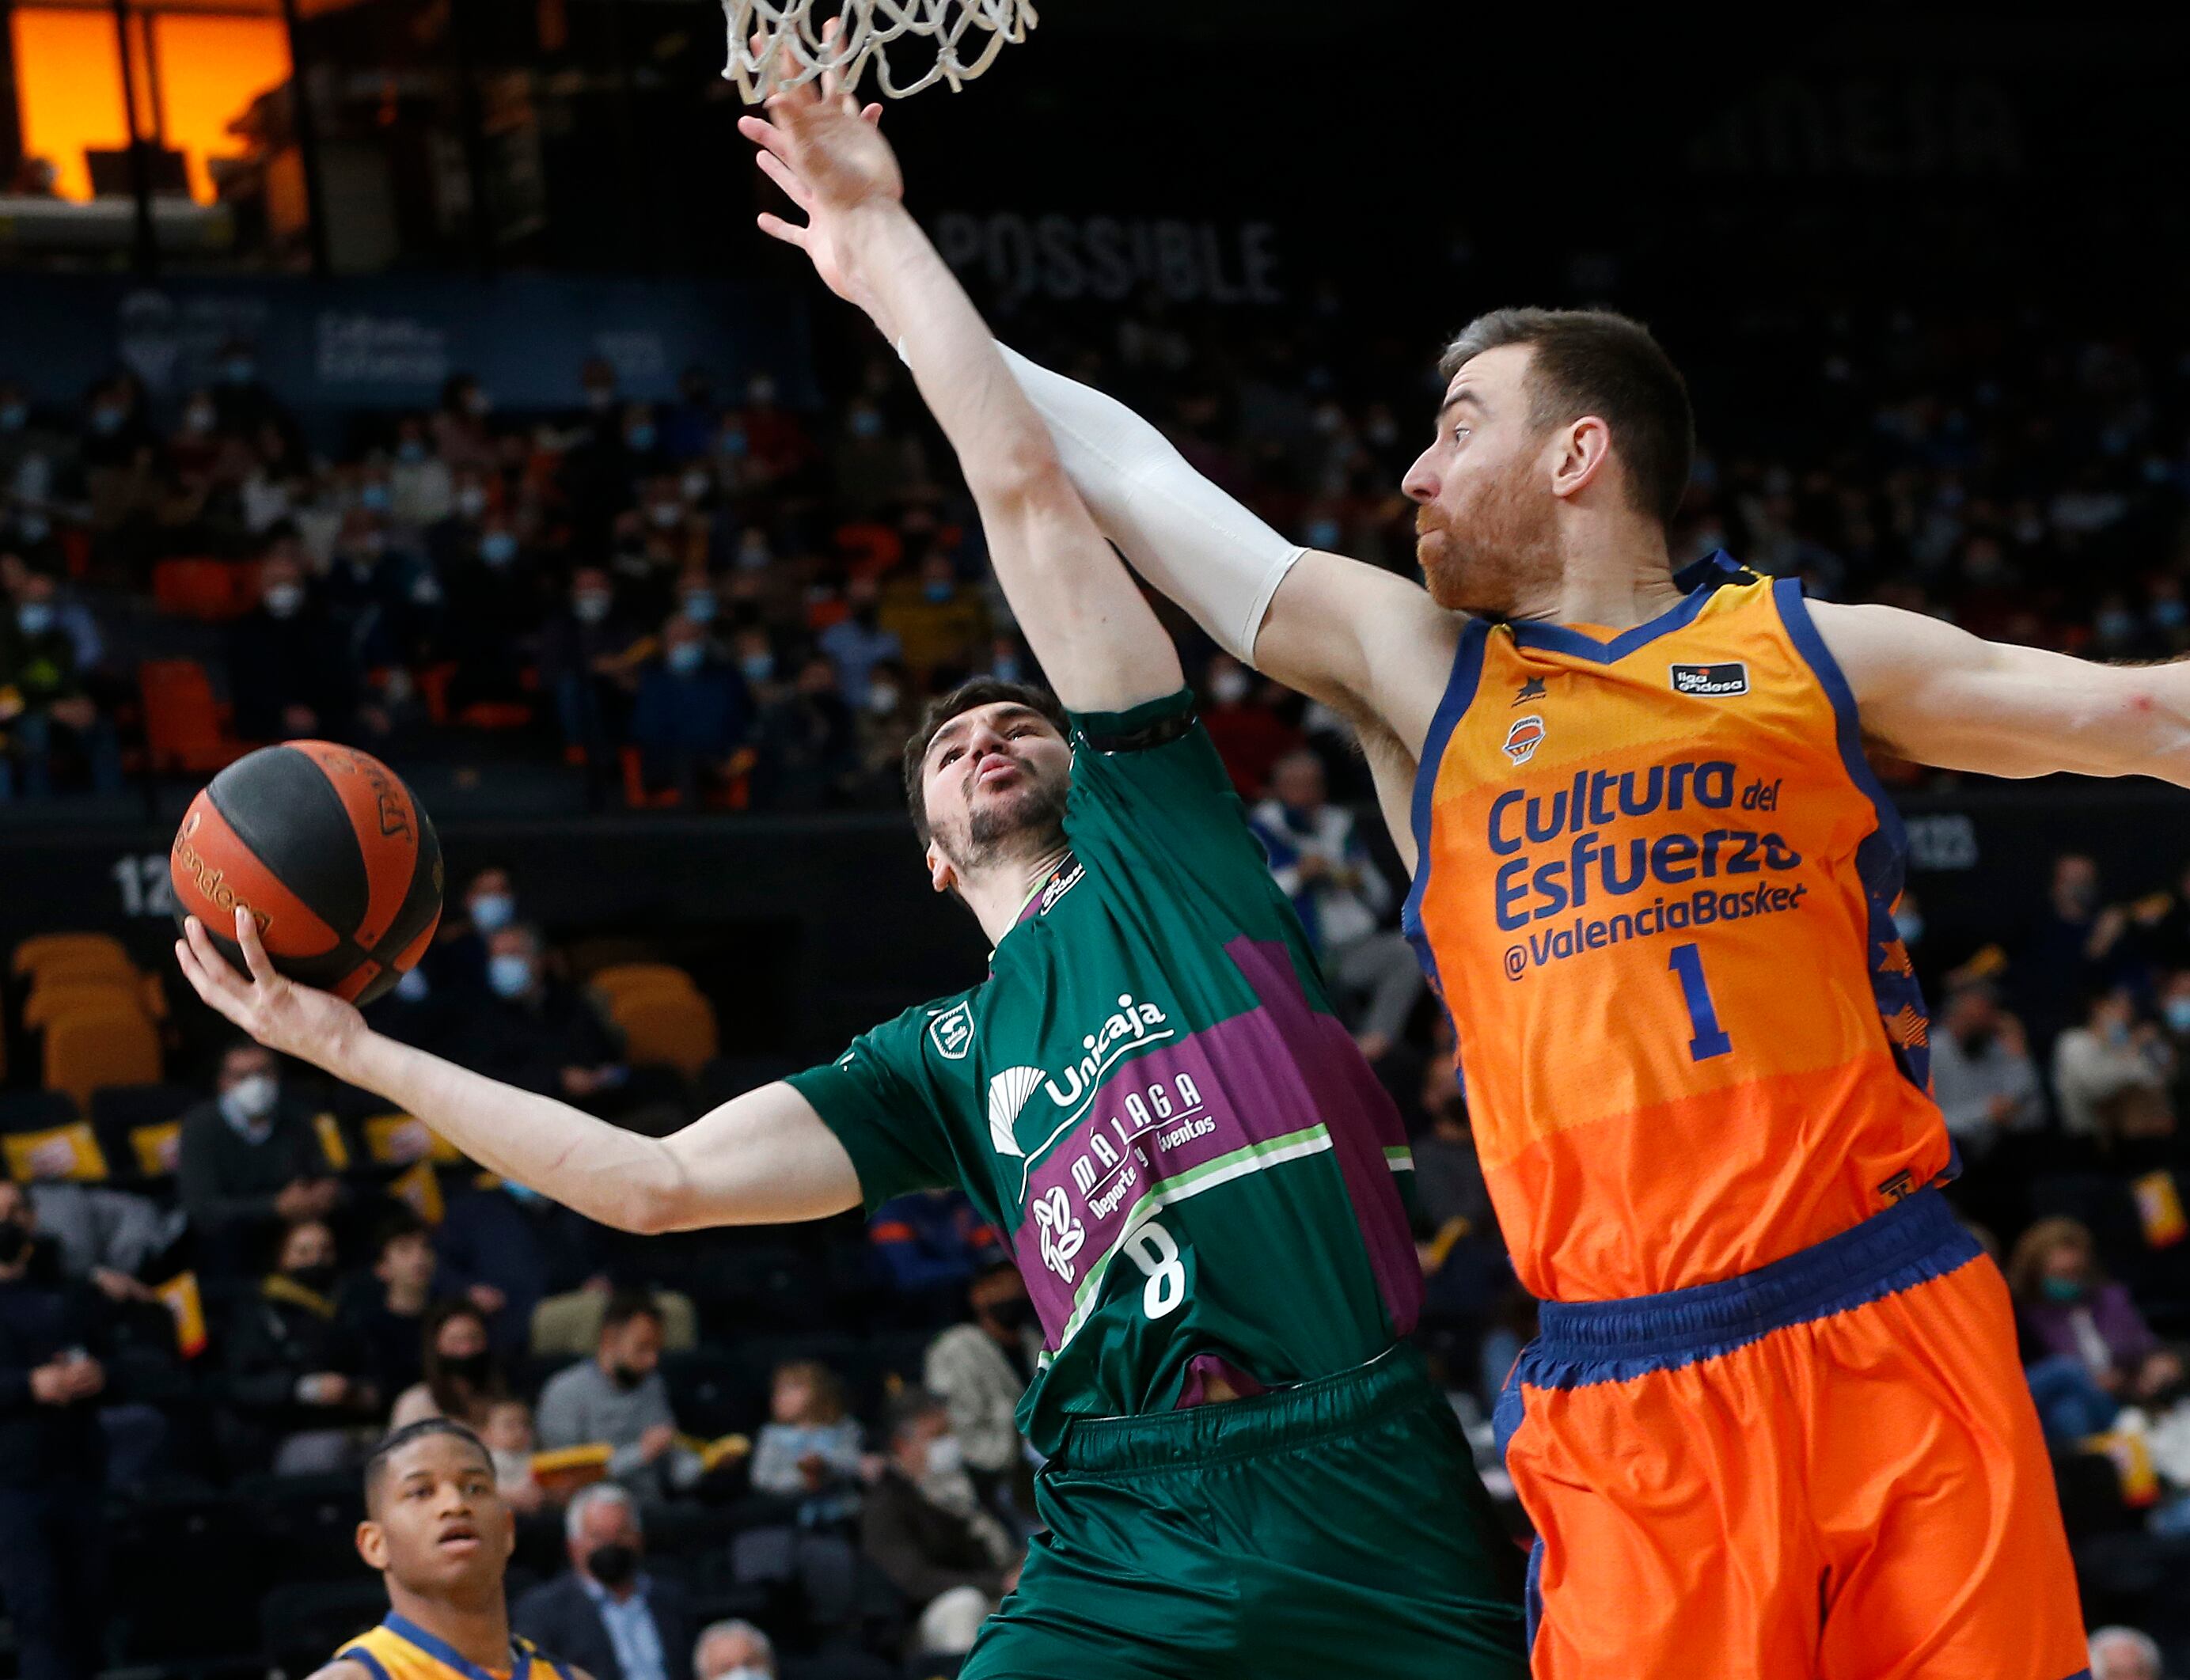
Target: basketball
{"x":329,"y":852}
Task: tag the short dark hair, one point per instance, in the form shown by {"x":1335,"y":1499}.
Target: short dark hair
{"x":908,"y":1407}
{"x":395,"y":1227}
{"x":376,"y":1466}
{"x":626,"y":1304}
{"x":981,"y":691}
{"x":1595,"y":361}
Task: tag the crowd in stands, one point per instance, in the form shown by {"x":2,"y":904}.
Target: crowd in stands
{"x":753,"y":1453}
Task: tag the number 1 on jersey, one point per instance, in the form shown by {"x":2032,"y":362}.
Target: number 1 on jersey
{"x":1710,"y":1039}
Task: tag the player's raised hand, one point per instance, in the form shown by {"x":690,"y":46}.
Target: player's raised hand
{"x":292,"y":1019}
{"x":831,"y":159}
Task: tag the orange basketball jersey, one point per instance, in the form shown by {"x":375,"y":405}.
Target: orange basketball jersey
{"x":1654,"y":887}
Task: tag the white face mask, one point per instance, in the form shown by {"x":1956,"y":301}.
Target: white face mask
{"x":250,"y":1098}
{"x":945,"y":1457}
{"x":745,"y":1671}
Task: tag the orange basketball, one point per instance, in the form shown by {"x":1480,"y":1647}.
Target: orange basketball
{"x":326,"y":848}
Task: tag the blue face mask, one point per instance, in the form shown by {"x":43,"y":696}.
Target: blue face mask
{"x":375,"y":496}
{"x":732,"y":442}
{"x":35,"y":617}
{"x":509,"y":975}
{"x":640,"y":438}
{"x":2178,"y":1014}
{"x":2170,"y":613}
{"x":412,"y":987}
{"x":493,"y":911}
{"x":1909,"y":926}
{"x":107,"y":421}
{"x":758,"y":667}
{"x":411,"y":451}
{"x":33,"y":527}
{"x":523,"y":1194}
{"x":866,"y":424}
{"x":240,"y":370}
{"x":13,"y":417}
{"x":2115,"y":626}
{"x":937,"y":591}
{"x":700,"y":607}
{"x":498,"y":547}
{"x":2065,"y":1291}
{"x":686,"y":657}
{"x":1322,"y":534}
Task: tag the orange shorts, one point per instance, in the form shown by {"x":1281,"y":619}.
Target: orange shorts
{"x":1829,"y":1466}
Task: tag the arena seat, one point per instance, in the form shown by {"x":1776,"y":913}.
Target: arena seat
{"x":301,"y":1623}
{"x":32,"y":955}
{"x":183,"y":731}
{"x":211,"y":591}
{"x":91,"y":1048}
{"x":42,"y":1136}
{"x":91,"y":961}
{"x":569,"y":1326}
{"x":139,"y":1127}
{"x":668,"y":1027}
{"x":619,"y":980}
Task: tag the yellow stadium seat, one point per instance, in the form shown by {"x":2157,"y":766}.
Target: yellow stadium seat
{"x":39,"y":947}
{"x":68,"y":1151}
{"x":92,"y":1047}
{"x":398,"y":1139}
{"x":49,"y":1003}
{"x":672,"y":1027}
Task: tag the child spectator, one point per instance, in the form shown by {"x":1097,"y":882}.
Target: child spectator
{"x":508,"y":1433}
{"x":809,"y":1450}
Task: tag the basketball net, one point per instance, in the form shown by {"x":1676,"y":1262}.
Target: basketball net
{"x":967,"y":35}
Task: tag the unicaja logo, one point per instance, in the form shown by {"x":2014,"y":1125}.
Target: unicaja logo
{"x":1007,"y":1098}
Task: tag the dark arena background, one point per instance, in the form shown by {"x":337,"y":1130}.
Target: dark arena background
{"x":410,"y":373}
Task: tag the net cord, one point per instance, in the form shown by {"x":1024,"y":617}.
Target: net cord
{"x":791,"y":51}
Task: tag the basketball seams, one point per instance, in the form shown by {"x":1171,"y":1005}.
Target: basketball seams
{"x":265,"y":800}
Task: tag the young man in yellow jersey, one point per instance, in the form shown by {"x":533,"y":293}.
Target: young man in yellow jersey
{"x":437,"y":1530}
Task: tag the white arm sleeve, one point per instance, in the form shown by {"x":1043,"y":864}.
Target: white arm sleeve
{"x":1181,"y":533}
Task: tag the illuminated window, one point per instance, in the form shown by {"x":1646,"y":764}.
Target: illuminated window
{"x":197,"y":70}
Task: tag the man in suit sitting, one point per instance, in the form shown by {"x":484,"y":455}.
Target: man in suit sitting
{"x":605,"y":1613}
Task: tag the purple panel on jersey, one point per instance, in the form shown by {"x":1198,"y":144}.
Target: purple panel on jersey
{"x":1279,"y":1075}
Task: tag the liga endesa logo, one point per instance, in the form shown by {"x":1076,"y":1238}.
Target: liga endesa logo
{"x":1523,"y":740}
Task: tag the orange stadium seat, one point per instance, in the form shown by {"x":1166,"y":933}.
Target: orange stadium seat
{"x":619,"y":980}
{"x":50,"y":1002}
{"x":182,"y":726}
{"x":209,"y":590}
{"x":89,"y":1048}
{"x":72,"y":964}
{"x":673,"y":1028}
{"x":32,"y":954}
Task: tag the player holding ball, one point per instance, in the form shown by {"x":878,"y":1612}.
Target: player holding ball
{"x":1251,"y":1473}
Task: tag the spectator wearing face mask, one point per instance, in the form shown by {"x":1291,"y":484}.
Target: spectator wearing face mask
{"x":1986,"y":1082}
{"x":618,"y":1397}
{"x":296,"y":1371}
{"x":607,"y":1615}
{"x":250,"y":1162}
{"x":590,"y":660}
{"x":920,"y":1525}
{"x":1249,"y":732}
{"x":456,"y":965}
{"x":495,"y":602}
{"x":461,"y":1378}
{"x":2070,"y":1310}
{"x":289,"y":672}
{"x":980,"y":1371}
{"x":733,"y":1650}
{"x":536,"y":1031}
{"x":875,"y":470}
{"x":693,"y":719}
{"x":809,"y":743}
{"x":2110,"y":1075}
{"x":246,"y":404}
{"x":421,"y":489}
{"x":461,"y":434}
{"x":857,"y":644}
{"x":942,"y":626}
{"x":43,"y":702}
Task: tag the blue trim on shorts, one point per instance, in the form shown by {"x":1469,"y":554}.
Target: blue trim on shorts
{"x":1582,"y":1343}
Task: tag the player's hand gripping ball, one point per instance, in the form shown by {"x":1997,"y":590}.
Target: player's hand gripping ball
{"x":325,"y":846}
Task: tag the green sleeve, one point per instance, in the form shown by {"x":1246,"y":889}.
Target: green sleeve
{"x":1148,"y":782}
{"x":877,"y":1100}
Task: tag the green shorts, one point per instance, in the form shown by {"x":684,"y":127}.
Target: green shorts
{"x":1334,"y":1528}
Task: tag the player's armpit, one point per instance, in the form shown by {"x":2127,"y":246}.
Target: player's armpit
{"x":342,"y":1669}
{"x":1935,"y":695}
{"x":1363,"y":641}
{"x":766,"y":1157}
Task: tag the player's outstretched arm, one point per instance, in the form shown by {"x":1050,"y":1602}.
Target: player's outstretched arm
{"x":763,"y":1158}
{"x":1365,"y":641}
{"x":1098,"y":640}
{"x":1936,"y":695}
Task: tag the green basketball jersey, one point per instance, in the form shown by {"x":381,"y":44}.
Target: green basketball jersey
{"x":1150,"y":1092}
